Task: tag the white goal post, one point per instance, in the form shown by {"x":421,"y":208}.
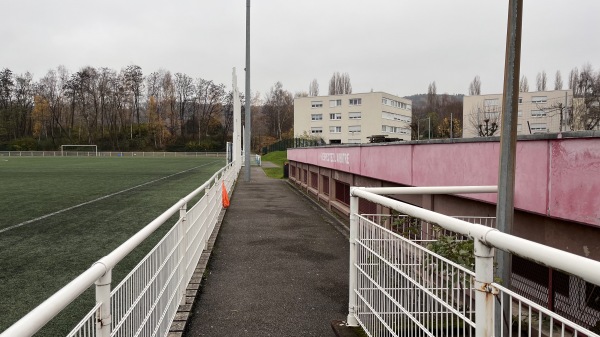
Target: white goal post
{"x":92,"y":150}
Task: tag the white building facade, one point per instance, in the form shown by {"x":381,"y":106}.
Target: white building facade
{"x":353,"y":118}
{"x":538,"y":112}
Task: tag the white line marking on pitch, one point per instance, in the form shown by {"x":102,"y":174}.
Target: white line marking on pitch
{"x":97,"y":199}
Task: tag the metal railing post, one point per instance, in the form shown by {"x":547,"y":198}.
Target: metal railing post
{"x":352,"y":284}
{"x":183,"y":250}
{"x":207,"y":201}
{"x":484,"y":292}
{"x":103,"y":315}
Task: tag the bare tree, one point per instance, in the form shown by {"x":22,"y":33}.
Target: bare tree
{"x":432,"y":101}
{"x":485,"y":118}
{"x":339,"y":84}
{"x":210,"y":97}
{"x":184,"y":89}
{"x":558,"y":82}
{"x":523,"y":84}
{"x":313,"y":88}
{"x":278,"y":111}
{"x":586,"y":112}
{"x":50,"y":88}
{"x":541,"y":81}
{"x":135,"y":83}
{"x":168,"y":87}
{"x":475,"y":87}
{"x":574,"y":80}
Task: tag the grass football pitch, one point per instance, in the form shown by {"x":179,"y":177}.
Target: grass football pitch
{"x":58,"y":215}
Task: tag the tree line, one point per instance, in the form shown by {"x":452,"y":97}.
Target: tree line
{"x":128,"y":110}
{"x":120,"y":110}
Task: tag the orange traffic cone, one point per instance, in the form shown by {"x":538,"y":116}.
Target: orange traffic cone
{"x":225,"y":197}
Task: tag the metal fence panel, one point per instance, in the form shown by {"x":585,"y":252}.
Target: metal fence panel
{"x":404,"y":289}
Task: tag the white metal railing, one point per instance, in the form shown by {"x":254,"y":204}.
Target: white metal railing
{"x":145,"y":302}
{"x":255,"y":160}
{"x":398,"y":287}
{"x":109,"y":154}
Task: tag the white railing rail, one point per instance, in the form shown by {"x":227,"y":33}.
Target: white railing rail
{"x":188,"y":238}
{"x":483,"y":289}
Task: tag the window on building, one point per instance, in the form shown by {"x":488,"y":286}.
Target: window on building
{"x":491,"y":102}
{"x":304,"y":176}
{"x":316,"y":117}
{"x":335,"y":129}
{"x":519,"y":127}
{"x":355,"y":101}
{"x":316,"y":130}
{"x":353,"y":141}
{"x":520,"y":113}
{"x":402,"y":131}
{"x":520,"y":100}
{"x":388,"y":129}
{"x":325,"y":185}
{"x":538,"y":113}
{"x":395,"y":104}
{"x":538,"y":127}
{"x":539,"y":99}
{"x":335,"y":102}
{"x":342,"y":192}
{"x":366,"y":207}
{"x":354,"y":115}
{"x":335,"y":116}
{"x":335,"y":141}
{"x":396,"y":117}
{"x":314,"y":180}
{"x":316,"y":104}
{"x":354,"y":128}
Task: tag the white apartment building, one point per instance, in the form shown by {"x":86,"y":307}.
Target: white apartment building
{"x":538,"y":112}
{"x":352,"y":118}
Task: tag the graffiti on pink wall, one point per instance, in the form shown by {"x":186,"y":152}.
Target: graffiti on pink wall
{"x":558,"y":177}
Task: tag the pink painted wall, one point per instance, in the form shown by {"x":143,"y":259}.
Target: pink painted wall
{"x":557,"y":177}
{"x":574,"y":184}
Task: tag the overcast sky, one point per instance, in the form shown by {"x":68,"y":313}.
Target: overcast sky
{"x":384,"y":45}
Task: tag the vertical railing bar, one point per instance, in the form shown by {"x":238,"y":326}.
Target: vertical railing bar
{"x":351,"y":320}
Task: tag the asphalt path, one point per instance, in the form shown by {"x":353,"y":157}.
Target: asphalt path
{"x":279,"y":266}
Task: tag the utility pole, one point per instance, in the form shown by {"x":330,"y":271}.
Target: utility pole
{"x":429,"y":128}
{"x":451,"y":126}
{"x":505,"y":207}
{"x":247,"y":130}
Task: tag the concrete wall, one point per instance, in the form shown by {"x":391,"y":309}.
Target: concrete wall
{"x":559,"y":178}
{"x":557,"y":195}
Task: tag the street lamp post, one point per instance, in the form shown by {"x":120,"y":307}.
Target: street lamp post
{"x":248,"y":109}
{"x":419,"y":128}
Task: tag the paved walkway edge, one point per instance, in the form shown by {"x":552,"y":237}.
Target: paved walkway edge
{"x":185,"y":307}
{"x":184,"y":311}
{"x":338,"y":224}
{"x":340,"y":329}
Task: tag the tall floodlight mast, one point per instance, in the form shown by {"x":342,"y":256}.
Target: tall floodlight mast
{"x":247,"y":131}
